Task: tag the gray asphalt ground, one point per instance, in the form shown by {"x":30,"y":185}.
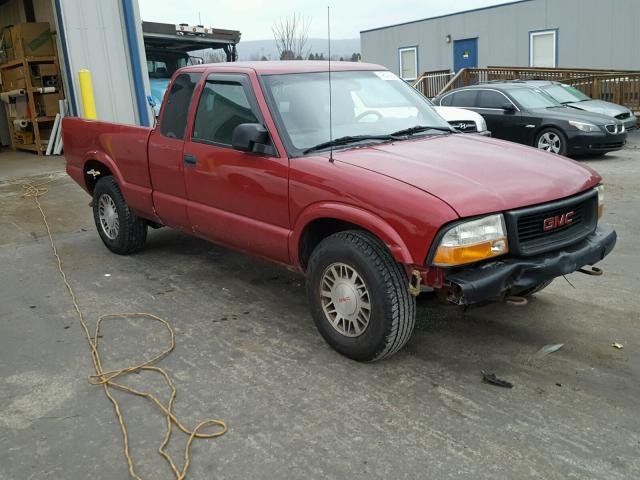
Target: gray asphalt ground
{"x":248,"y":353}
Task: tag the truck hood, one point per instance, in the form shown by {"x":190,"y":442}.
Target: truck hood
{"x":475,"y":175}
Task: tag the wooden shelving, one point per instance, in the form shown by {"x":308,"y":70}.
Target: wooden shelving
{"x":39,"y":144}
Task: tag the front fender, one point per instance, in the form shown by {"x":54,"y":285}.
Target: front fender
{"x":348,"y":213}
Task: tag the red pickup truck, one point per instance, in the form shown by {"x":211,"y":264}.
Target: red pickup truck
{"x":367,"y":191}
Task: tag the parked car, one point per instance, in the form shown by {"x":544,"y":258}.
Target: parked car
{"x":465,"y":121}
{"x":246,"y":155}
{"x":524,"y":114}
{"x":572,"y":97}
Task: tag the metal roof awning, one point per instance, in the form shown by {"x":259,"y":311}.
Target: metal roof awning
{"x":170,"y":36}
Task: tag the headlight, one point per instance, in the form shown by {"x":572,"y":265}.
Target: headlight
{"x":584,"y":126}
{"x":472,"y":241}
{"x":482,"y":125}
{"x":600,"y":190}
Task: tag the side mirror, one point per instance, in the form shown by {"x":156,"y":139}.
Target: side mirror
{"x":508,"y":108}
{"x":250,"y":137}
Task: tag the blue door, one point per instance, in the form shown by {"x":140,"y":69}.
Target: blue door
{"x":465,"y":54}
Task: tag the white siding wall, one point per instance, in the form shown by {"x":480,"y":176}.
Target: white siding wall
{"x":96,"y":40}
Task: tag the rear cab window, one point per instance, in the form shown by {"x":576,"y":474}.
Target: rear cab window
{"x":176,"y":108}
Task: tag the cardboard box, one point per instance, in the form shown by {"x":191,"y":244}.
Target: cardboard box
{"x":13,"y":78}
{"x":31,"y":40}
{"x":44,"y":75}
{"x":6,"y":46}
{"x":47,"y":104}
{"x":23,"y":138}
{"x":45,"y":69}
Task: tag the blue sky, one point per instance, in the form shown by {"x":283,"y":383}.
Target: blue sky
{"x":255,"y":17}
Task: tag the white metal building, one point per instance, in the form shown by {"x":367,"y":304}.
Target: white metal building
{"x":538,"y":33}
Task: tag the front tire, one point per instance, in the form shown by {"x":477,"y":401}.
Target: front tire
{"x":121,"y":230}
{"x":359,"y":296}
{"x":551,"y":140}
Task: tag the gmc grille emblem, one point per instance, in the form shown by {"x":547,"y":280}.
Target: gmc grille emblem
{"x":552,"y":223}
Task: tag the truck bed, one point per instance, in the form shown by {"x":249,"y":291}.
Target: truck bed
{"x":123,"y":148}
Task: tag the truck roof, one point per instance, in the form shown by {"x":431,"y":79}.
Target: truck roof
{"x":292,"y":66}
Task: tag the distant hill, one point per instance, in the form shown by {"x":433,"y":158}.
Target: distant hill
{"x":256,"y":49}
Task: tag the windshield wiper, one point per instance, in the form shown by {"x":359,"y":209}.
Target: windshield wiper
{"x":418,"y":129}
{"x":336,"y":142}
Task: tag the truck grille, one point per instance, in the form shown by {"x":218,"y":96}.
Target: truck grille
{"x":553,"y":225}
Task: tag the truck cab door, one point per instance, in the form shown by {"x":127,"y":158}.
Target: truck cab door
{"x":166,"y":144}
{"x":236,"y":198}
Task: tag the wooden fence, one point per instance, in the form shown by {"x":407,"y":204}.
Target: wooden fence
{"x":431,"y":83}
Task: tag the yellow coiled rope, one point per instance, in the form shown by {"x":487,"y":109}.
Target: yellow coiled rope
{"x":107,"y":378}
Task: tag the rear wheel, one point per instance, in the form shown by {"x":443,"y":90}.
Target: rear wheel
{"x":359,"y":296}
{"x":552,"y":140}
{"x":120,"y":229}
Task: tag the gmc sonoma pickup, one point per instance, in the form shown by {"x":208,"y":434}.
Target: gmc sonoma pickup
{"x":383,"y":201}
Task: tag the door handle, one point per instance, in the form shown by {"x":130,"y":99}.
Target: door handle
{"x":189,"y":160}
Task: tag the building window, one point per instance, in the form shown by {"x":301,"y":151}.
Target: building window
{"x":409,"y":63}
{"x":542,"y":49}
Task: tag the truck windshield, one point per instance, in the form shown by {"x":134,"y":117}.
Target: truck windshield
{"x":363,"y":104}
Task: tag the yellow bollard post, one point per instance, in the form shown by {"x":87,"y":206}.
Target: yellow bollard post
{"x":86,"y":91}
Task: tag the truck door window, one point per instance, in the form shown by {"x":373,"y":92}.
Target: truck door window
{"x":176,"y":109}
{"x":223,"y":106}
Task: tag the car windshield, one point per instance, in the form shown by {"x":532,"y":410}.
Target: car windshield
{"x":363,"y":104}
{"x":532,"y":98}
{"x":565,"y":94}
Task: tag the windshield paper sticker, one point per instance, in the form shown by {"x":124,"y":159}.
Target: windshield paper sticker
{"x":386,"y":75}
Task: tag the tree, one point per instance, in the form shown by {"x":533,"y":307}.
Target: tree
{"x":311,"y":56}
{"x":214,"y":56}
{"x":291,"y":35}
{"x":263,"y":59}
{"x":355,"y":57}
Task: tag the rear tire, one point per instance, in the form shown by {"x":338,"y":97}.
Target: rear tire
{"x":359,"y":296}
{"x":121,"y":230}
{"x":551,"y":140}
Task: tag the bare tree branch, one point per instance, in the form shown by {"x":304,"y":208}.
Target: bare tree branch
{"x":292,"y":35}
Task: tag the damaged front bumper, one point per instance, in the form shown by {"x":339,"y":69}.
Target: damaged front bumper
{"x":495,"y":280}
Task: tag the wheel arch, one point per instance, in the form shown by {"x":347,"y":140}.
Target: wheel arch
{"x":102,"y":165}
{"x":321,"y":220}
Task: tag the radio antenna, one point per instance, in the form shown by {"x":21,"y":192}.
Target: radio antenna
{"x":330,"y":112}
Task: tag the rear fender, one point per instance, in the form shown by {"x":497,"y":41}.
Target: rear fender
{"x":138,"y":198}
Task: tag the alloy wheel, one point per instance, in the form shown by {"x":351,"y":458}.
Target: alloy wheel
{"x":550,"y":142}
{"x":108,"y":215}
{"x":345,"y":300}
